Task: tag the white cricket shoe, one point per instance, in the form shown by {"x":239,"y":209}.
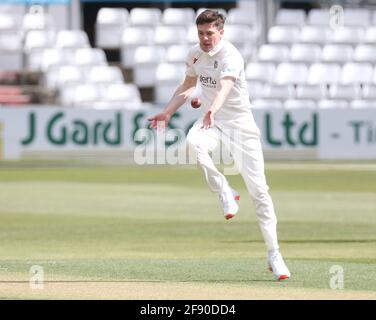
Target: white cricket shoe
{"x":229,"y":204}
{"x":278,"y":266}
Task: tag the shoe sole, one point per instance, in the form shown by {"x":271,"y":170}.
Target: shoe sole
{"x":231,"y":215}
{"x":281,"y":277}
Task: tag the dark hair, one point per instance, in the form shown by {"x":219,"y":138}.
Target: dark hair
{"x":211,"y":16}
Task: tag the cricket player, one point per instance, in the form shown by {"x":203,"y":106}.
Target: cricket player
{"x":219,"y":67}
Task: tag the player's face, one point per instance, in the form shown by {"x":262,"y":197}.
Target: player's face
{"x":209,"y":36}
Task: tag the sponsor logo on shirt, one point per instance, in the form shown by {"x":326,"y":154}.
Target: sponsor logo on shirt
{"x":195,"y":60}
{"x":208,"y":82}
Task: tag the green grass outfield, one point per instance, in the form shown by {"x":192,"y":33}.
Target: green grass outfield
{"x":158,"y":233}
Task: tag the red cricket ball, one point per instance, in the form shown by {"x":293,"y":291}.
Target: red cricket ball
{"x":196,"y":103}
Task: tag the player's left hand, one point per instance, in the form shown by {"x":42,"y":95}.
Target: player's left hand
{"x":208,"y":121}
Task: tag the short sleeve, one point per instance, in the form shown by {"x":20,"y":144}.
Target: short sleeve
{"x":232,"y":66}
{"x":190,"y":71}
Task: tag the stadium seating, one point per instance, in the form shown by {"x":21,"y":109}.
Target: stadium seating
{"x":120,"y":95}
{"x":83,"y":95}
{"x":315,"y":34}
{"x":36,"y":19}
{"x":257,"y":71}
{"x":370,"y":35}
{"x":354,"y":73}
{"x":53,"y":57}
{"x":192,"y":35}
{"x":290,"y":17}
{"x":304,"y":58}
{"x":357,"y":17}
{"x":306,"y":53}
{"x":17,"y":10}
{"x":283,"y":34}
{"x":273,"y":53}
{"x":299,"y":104}
{"x":10,"y":52}
{"x":242,"y":37}
{"x":240,"y":16}
{"x":146,"y":60}
{"x":278,"y":91}
{"x":8,"y":23}
{"x":58,"y":77}
{"x":71,"y":39}
{"x":337,"y":53}
{"x":360,"y":103}
{"x":169,"y":35}
{"x":348,"y":35}
{"x":89,"y":57}
{"x":145,"y":17}
{"x":365,"y":53}
{"x":344,"y":92}
{"x":326,"y":65}
{"x":36,"y":41}
{"x":133,"y":37}
{"x":318,"y":17}
{"x":255,"y":89}
{"x":109,"y":26}
{"x":167,"y":78}
{"x":267,"y":104}
{"x":291,"y":73}
{"x":369,"y":91}
{"x":10,"y":42}
{"x":105,"y":75}
{"x":178,"y":16}
{"x":39,"y":39}
{"x":324,"y":73}
{"x":177,"y":53}
{"x":61,"y":59}
{"x":311,"y":91}
{"x":329,"y":104}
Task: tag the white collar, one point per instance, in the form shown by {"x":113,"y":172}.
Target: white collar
{"x":215,"y":50}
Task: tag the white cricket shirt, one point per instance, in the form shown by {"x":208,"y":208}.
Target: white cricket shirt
{"x":223,"y":60}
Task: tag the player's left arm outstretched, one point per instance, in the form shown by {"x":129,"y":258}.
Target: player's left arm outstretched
{"x":226,"y":84}
{"x":180,"y":96}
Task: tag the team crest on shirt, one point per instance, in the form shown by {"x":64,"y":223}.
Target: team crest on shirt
{"x":215,"y":64}
{"x":195,"y":60}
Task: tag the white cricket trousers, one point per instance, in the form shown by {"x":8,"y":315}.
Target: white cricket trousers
{"x":241,"y":137}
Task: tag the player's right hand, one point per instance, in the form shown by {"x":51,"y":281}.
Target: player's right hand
{"x":159,"y":121}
